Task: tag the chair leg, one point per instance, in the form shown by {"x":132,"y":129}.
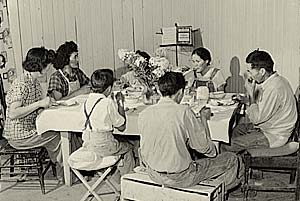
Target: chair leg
{"x":41,"y":175}
{"x":53,"y":166}
{"x":108,"y":182}
{"x":12,"y":163}
{"x":90,"y":189}
{"x":292,"y":176}
{"x":96,"y":184}
{"x":246,"y":176}
{"x":0,"y":166}
{"x":298,"y":184}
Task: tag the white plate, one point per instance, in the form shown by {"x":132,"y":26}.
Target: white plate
{"x":67,"y":103}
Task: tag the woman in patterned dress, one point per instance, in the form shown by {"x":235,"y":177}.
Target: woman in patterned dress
{"x":24,"y":102}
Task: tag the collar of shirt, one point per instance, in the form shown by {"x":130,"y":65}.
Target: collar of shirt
{"x":96,"y":95}
{"x":71,"y":76}
{"x":263,"y":85}
{"x":166,"y":100}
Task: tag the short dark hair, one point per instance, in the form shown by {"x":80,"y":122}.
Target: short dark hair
{"x":260,"y":59}
{"x":101,"y":79}
{"x":143,"y":54}
{"x":63,"y":54}
{"x":170,"y":83}
{"x":37,"y":59}
{"x":203,"y":53}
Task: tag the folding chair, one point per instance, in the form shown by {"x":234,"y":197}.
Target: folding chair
{"x":285,"y":159}
{"x":104,"y":169}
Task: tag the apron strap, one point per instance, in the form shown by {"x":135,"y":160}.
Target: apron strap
{"x":214,"y":73}
{"x":88,"y":115}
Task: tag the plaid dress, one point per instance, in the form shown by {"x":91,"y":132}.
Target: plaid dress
{"x":58,"y":83}
{"x":27,"y":91}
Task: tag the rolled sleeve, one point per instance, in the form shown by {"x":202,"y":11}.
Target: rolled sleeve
{"x":219,"y":78}
{"x":116,"y":119}
{"x":55,"y":84}
{"x":265,"y":108}
{"x":197,"y":138}
{"x":83,"y":79}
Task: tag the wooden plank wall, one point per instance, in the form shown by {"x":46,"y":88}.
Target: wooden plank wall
{"x":229,"y":28}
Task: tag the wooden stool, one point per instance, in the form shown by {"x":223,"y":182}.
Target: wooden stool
{"x":139,"y":186}
{"x":25,"y":162}
{"x":104,"y":169}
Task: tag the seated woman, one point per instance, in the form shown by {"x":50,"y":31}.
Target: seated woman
{"x":129,"y":79}
{"x":206,"y":75}
{"x":68,"y":81}
{"x":24,"y":101}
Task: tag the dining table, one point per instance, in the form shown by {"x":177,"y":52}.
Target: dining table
{"x":67,"y":119}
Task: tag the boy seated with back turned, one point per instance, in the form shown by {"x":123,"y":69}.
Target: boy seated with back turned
{"x":102,"y":115}
{"x":169,"y":129}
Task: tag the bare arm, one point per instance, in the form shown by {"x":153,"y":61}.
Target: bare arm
{"x":18,"y":111}
{"x":83,"y":90}
{"x":205,"y":114}
{"x":121,"y":110}
{"x":199,"y":135}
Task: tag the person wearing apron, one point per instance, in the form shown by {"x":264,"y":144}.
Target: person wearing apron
{"x":72,"y":85}
{"x":69,"y":80}
{"x":206,"y":75}
{"x":102,"y":116}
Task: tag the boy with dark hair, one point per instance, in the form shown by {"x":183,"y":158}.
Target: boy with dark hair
{"x":103,"y":114}
{"x":169,"y":129}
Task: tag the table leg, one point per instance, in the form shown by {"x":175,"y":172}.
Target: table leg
{"x":65,"y":146}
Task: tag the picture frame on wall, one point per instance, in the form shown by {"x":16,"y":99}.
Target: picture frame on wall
{"x":5,"y":76}
{"x":1,"y":18}
{"x":3,"y":2}
{"x":184,"y":35}
{"x":4,"y":53}
{"x":3,"y":59}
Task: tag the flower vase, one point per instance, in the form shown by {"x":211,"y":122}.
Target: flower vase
{"x":150,"y":96}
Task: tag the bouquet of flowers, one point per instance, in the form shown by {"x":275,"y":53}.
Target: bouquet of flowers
{"x":146,"y":72}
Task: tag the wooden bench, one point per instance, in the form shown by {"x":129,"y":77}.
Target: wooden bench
{"x":139,"y":186}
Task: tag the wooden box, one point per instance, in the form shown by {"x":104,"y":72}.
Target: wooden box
{"x":138,"y":186}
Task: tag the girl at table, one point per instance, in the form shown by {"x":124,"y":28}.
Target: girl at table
{"x":103,"y":114}
{"x":69,"y":80}
{"x":24,"y":102}
{"x":205,"y":74}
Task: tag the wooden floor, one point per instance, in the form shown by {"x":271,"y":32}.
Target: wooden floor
{"x":30,"y":191}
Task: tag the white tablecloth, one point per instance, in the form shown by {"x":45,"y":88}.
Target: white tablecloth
{"x":70,"y":118}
